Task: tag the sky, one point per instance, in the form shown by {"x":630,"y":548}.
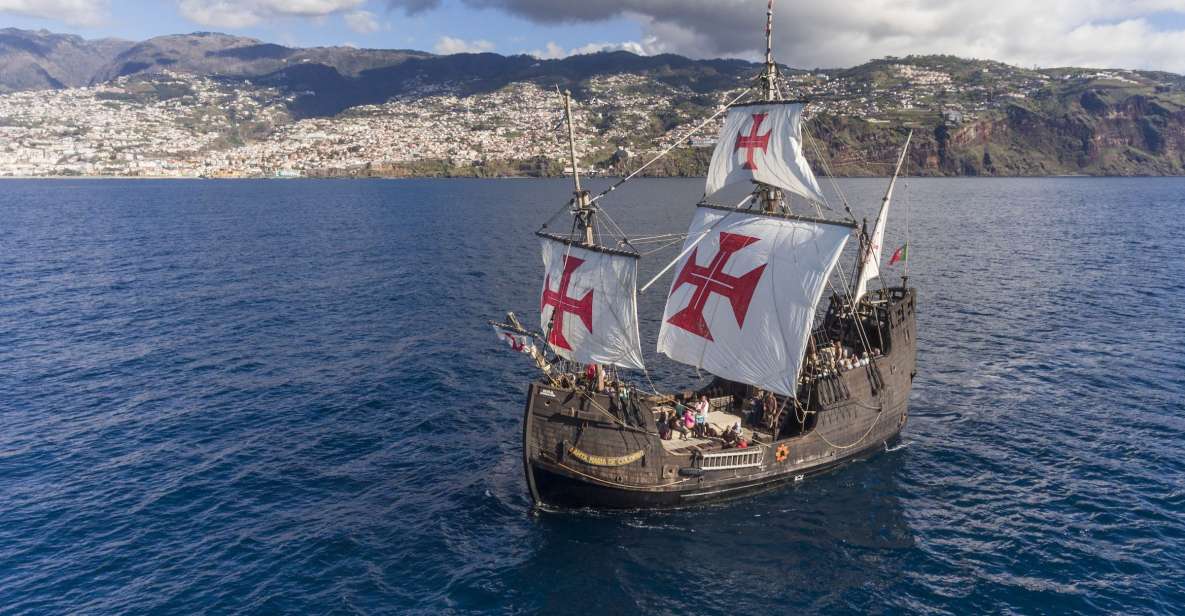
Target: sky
{"x":1144,"y":34}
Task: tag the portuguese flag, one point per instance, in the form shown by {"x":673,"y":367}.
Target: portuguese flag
{"x":900,"y":255}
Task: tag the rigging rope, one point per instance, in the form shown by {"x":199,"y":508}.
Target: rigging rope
{"x":664,"y":246}
{"x":658,"y":238}
{"x":674,"y":145}
{"x":703,"y":234}
{"x":830,"y":176}
{"x":622,"y":485}
{"x":861,"y":439}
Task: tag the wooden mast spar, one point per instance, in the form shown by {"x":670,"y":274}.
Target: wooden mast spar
{"x":582,"y":206}
{"x":771,"y":197}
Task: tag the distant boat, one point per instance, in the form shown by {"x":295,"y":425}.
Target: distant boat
{"x":289,"y":174}
{"x":790,"y":397}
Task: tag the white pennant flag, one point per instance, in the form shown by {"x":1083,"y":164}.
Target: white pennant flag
{"x":743,"y":303}
{"x":588,"y":307}
{"x":763,"y":142}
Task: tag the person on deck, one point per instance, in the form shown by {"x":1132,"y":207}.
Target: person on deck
{"x":731,"y":435}
{"x":701,"y":416}
{"x":756,"y":408}
{"x":664,"y":426}
{"x":688,"y":423}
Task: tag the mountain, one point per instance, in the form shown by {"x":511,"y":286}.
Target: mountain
{"x":326,"y":91}
{"x":449,"y":114}
{"x":36,"y":60}
{"x":210,"y":53}
{"x":328,"y":79}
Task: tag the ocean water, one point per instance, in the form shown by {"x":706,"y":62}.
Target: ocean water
{"x":267,"y":397}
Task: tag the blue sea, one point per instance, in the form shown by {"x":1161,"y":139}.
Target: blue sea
{"x":282,"y":397}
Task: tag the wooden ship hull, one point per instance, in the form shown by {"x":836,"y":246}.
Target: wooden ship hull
{"x":586,"y":449}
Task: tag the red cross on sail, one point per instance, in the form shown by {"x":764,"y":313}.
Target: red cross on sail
{"x":753,"y":141}
{"x":588,"y":306}
{"x":712,"y":279}
{"x":745,"y":314}
{"x":563,"y":304}
{"x":762,"y":142}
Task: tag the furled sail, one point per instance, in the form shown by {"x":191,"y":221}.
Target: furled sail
{"x":589,"y":308}
{"x":870,"y":267}
{"x":743,"y":302}
{"x":763,"y":142}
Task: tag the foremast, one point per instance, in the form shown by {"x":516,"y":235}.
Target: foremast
{"x":582,"y":207}
{"x":588,"y":305}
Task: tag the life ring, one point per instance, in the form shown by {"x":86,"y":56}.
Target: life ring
{"x":782,"y":453}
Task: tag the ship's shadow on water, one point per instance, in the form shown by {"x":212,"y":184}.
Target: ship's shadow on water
{"x":808,"y":544}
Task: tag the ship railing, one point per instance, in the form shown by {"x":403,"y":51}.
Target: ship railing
{"x":725,"y":460}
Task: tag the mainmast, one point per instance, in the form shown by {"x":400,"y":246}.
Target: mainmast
{"x":771,"y":69}
{"x":582,"y":205}
{"x":771,"y":197}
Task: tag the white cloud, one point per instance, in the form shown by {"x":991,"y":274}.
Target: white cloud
{"x":449,"y":45}
{"x":363,"y":22}
{"x":553,"y":50}
{"x":74,"y":12}
{"x":245,"y":13}
{"x":1110,"y":33}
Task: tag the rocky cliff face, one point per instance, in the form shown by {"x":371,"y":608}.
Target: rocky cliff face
{"x":1129,"y":135}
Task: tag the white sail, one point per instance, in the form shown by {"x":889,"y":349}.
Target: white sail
{"x":870,"y":267}
{"x":743,"y":302}
{"x":763,"y":142}
{"x":588,"y":307}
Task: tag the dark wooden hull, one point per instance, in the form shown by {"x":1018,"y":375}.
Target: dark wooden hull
{"x":582,"y":450}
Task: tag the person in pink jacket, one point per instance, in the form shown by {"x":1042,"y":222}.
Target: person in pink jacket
{"x":688,"y":423}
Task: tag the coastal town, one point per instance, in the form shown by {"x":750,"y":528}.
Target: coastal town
{"x":178,"y":125}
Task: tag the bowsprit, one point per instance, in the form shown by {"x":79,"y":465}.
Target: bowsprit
{"x":712,"y":279}
{"x":559,"y":299}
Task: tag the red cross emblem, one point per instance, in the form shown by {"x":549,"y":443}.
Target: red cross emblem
{"x":753,"y":141}
{"x":580,"y":307}
{"x":712,"y":279}
{"x":515,"y":343}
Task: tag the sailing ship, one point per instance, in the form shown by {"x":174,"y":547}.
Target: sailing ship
{"x":791,"y":394}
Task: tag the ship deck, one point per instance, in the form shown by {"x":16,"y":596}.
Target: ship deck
{"x":721,"y":421}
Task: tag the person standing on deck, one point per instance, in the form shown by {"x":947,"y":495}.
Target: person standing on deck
{"x":756,"y":407}
{"x":688,"y":423}
{"x":701,"y":416}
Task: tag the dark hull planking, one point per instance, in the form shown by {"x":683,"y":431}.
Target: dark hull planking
{"x":581,"y":450}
